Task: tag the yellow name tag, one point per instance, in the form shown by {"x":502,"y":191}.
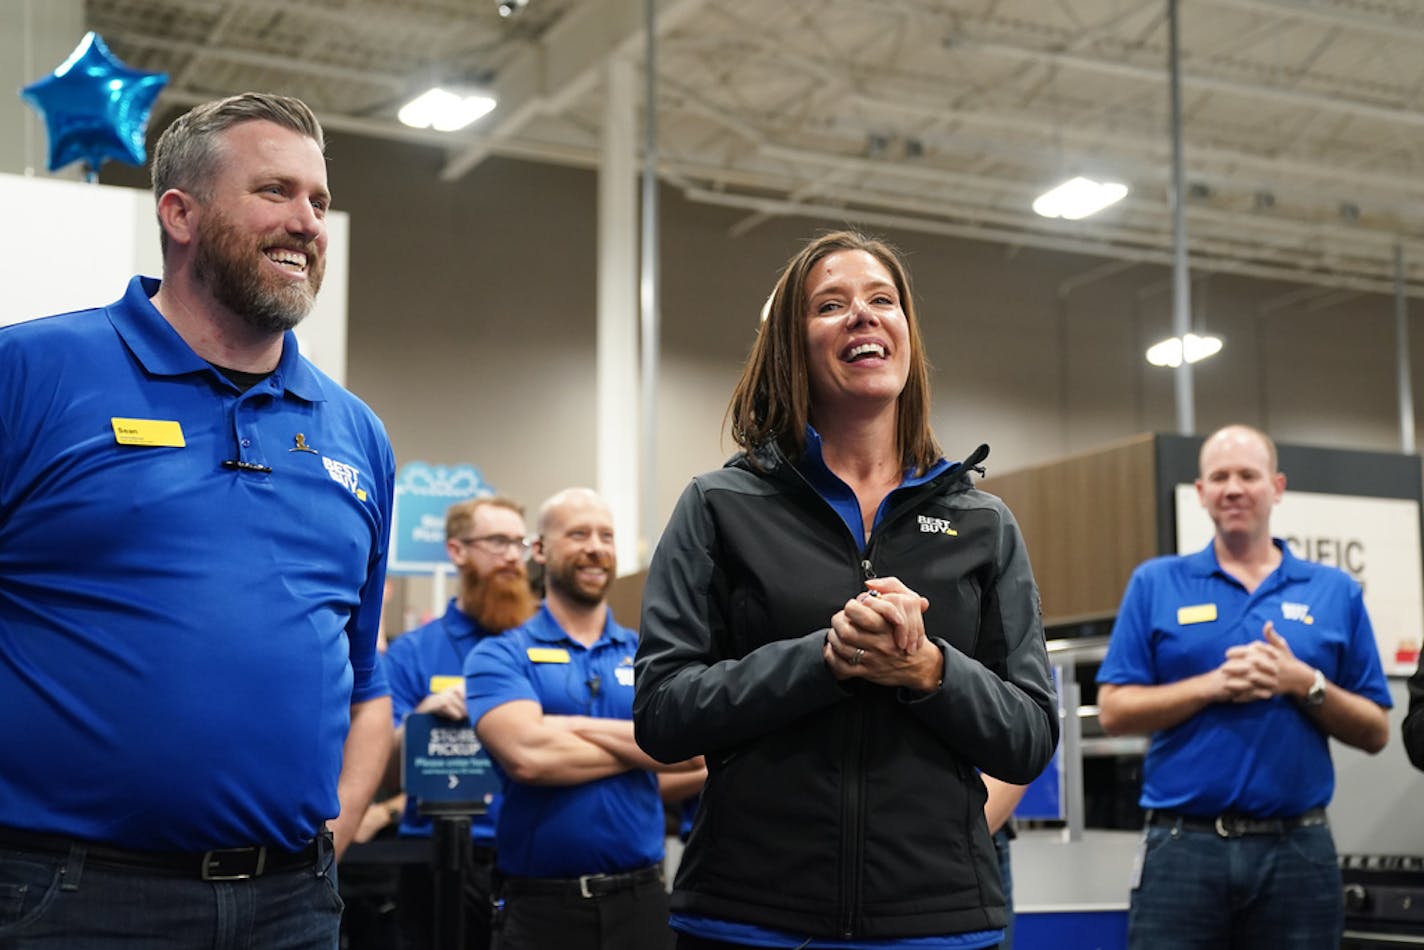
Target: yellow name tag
{"x":439,"y":684}
{"x":548,"y":655}
{"x":147,"y":432}
{"x":1197,"y":613}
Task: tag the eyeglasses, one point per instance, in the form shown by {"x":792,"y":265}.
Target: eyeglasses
{"x":498,"y":544}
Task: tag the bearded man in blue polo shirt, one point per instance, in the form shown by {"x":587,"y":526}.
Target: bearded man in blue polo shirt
{"x":579,"y":836}
{"x":1242,"y":661}
{"x":484,"y":538}
{"x":193,"y":532}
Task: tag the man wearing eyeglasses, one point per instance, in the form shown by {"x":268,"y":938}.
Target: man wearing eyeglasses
{"x":484,"y":538}
{"x":580,"y":827}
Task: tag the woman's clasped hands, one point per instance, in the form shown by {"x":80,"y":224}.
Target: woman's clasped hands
{"x":879,"y":635}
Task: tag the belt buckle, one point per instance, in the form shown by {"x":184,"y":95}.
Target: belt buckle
{"x":212,"y":861}
{"x":583,"y":882}
{"x":1223,"y":831}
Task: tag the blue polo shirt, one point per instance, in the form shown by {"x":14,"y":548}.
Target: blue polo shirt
{"x":413,"y":663}
{"x":180,"y":642}
{"x":1265,"y":758}
{"x":607,"y":826}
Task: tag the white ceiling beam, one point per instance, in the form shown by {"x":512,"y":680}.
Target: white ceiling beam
{"x":566,"y":62}
{"x":243,"y":57}
{"x":1315,"y":11}
{"x":1296,"y":229}
{"x":1203,"y":157}
{"x":1199,"y":81}
{"x":182,"y":75}
{"x":397,"y":16}
{"x":1148,"y":255}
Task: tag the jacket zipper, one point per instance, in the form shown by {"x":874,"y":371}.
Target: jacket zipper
{"x":851,"y":856}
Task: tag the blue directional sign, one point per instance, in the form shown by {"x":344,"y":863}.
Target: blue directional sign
{"x":444,"y":762}
{"x":1043,"y":798}
{"x":423,"y":493}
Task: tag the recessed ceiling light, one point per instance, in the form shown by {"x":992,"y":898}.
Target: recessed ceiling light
{"x":1078,"y":198}
{"x":444,"y":110}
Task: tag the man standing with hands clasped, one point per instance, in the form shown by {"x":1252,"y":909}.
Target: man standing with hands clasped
{"x":1241,"y":661}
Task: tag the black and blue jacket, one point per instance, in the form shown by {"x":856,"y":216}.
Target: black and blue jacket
{"x":840,"y":809}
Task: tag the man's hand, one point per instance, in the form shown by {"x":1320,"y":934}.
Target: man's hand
{"x":449,"y":703}
{"x":1264,"y":668}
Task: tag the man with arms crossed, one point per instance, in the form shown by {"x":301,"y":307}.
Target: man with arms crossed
{"x":580,"y":829}
{"x":193,"y":532}
{"x":484,"y":538}
{"x":1241,"y":661}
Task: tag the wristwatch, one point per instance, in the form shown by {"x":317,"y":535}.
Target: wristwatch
{"x":1316,"y":694}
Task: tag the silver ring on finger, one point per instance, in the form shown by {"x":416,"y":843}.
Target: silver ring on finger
{"x":857,"y":656}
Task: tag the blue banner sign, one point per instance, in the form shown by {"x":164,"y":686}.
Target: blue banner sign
{"x":423,"y":493}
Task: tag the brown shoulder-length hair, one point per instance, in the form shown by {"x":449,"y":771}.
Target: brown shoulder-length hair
{"x":772,"y":401}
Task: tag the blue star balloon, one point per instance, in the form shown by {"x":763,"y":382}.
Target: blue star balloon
{"x":95,"y":107}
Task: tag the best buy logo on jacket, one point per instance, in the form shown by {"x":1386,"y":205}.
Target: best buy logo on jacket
{"x":936,"y":526}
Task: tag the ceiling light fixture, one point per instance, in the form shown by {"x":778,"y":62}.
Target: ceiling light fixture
{"x":508,"y":8}
{"x":1171,"y":351}
{"x":1078,"y":198}
{"x":446,"y":111}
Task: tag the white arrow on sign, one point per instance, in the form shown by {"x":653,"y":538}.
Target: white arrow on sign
{"x":454,"y":780}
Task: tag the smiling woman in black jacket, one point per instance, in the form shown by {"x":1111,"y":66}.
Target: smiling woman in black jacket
{"x":849,"y":632}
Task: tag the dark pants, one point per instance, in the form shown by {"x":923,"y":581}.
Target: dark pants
{"x":52,"y":901}
{"x":689,"y":942}
{"x":1200,"y":891}
{"x":1002,"y":837}
{"x":631,"y":919}
{"x":416,"y":902}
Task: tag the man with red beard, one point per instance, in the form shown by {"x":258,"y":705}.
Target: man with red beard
{"x":485,"y":541}
{"x":580,"y":829}
{"x":204,"y":720}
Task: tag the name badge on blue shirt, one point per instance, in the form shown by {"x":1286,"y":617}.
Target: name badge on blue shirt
{"x":1197,"y":613}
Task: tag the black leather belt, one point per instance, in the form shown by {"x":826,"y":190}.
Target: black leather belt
{"x":219,"y":864}
{"x":1235,"y":826}
{"x":589,"y":885}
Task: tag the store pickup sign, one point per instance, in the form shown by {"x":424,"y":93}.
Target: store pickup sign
{"x":444,"y":762}
{"x":1374,"y":540}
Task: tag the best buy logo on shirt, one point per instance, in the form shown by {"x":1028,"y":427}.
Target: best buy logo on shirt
{"x":1299,"y":612}
{"x":344,"y":474}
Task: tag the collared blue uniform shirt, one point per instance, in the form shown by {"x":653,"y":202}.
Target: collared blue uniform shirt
{"x":607,"y":826}
{"x":180,"y":642}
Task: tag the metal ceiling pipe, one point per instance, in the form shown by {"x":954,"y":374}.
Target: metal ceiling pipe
{"x":1181,"y":278}
{"x":649,"y":297}
{"x":1402,"y":361}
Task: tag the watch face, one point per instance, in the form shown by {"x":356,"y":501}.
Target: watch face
{"x":1316,"y":696}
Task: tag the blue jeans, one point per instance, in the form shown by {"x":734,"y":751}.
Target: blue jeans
{"x":62,"y":902}
{"x":1006,"y":875}
{"x":1200,"y":891}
